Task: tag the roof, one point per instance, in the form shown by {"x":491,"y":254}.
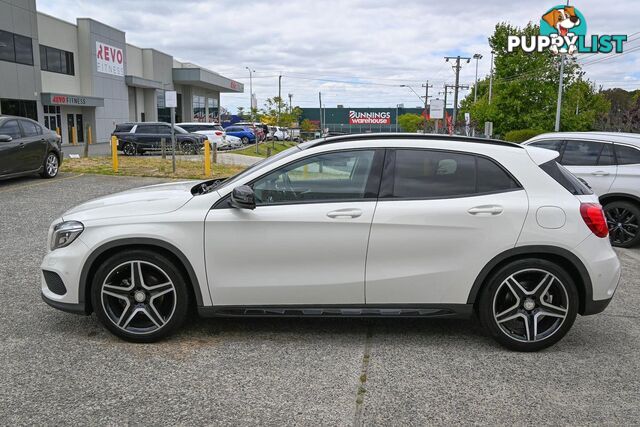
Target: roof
{"x":413,"y":136}
{"x":619,"y":137}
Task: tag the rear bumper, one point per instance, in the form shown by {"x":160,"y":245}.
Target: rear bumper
{"x":595,"y":307}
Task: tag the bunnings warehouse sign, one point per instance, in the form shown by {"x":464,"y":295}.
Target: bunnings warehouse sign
{"x":369,"y":118}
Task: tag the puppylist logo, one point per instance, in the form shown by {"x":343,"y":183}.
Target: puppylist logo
{"x":563,"y":29}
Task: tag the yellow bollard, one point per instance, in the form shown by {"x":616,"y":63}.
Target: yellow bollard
{"x":114,"y":153}
{"x":74,"y":136}
{"x":58,"y":131}
{"x":305,"y":171}
{"x":207,"y":158}
{"x":89,"y":136}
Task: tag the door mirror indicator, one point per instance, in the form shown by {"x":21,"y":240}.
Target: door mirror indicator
{"x":243,"y":197}
{"x":5,"y":138}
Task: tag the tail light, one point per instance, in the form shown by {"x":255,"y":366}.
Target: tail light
{"x":218,"y":133}
{"x":593,"y":216}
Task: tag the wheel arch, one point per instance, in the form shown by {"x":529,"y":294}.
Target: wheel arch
{"x":108,"y":249}
{"x":619,"y":197}
{"x":565,"y":259}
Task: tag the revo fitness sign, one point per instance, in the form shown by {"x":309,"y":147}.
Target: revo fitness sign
{"x":369,"y":118}
{"x":109,"y":59}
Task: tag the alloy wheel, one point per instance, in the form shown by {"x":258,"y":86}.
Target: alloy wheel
{"x":530,"y":305}
{"x":51,"y":165}
{"x":129,"y":150}
{"x":138,"y":297}
{"x":623,"y":225}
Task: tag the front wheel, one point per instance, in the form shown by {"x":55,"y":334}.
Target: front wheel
{"x":128,"y":149}
{"x":51,"y":166}
{"x":245,"y":140}
{"x":140,"y":296}
{"x":623,"y":219}
{"x":528,"y":305}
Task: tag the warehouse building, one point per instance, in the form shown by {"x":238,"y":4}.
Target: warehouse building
{"x":82,"y":76}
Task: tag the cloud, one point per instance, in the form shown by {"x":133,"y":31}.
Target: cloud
{"x":367,"y":47}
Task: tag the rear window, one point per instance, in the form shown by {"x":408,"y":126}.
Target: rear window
{"x":627,"y":155}
{"x":565,"y":178}
{"x":123,"y":127}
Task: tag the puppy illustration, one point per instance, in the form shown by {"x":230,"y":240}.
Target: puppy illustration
{"x":563,"y":20}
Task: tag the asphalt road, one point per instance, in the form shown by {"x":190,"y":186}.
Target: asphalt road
{"x":58,"y":368}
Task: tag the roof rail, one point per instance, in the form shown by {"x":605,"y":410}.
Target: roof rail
{"x":428,"y":137}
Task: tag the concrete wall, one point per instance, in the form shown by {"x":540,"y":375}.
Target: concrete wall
{"x":63,"y":35}
{"x":134,"y":61}
{"x":19,"y":81}
{"x":110,"y":87}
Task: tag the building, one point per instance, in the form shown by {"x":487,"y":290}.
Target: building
{"x":359,"y":120}
{"x":72,"y":77}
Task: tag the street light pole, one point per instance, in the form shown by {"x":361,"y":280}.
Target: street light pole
{"x":559,"y":106}
{"x":250,"y":92}
{"x":477,"y":57}
{"x":491,"y":78}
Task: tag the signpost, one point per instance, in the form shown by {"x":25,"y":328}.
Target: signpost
{"x":436,"y":111}
{"x":171,"y":101}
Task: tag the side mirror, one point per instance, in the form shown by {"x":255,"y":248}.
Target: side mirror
{"x":5,"y":138}
{"x":243,"y":197}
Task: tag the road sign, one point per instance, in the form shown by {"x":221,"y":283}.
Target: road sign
{"x":171,"y":99}
{"x":436,"y":111}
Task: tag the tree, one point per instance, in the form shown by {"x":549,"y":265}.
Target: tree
{"x":411,"y":122}
{"x":525,"y":89}
{"x":308,"y":126}
{"x":277,"y":112}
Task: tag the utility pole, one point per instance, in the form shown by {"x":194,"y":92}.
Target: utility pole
{"x":491,"y":78}
{"x":457,"y":86}
{"x":320,"y":111}
{"x":559,"y":106}
{"x":279,"y":96}
{"x":426,"y":87}
{"x":290,"y":105}
{"x":477,"y":57}
{"x":250,"y":92}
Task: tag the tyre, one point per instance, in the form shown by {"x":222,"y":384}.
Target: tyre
{"x":623,"y":219}
{"x":51,"y":166}
{"x":128,"y":149}
{"x":189,"y":148}
{"x":140,"y":296}
{"x":245,"y":140}
{"x":528,"y":304}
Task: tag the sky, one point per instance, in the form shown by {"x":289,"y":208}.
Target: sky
{"x":358,"y":53}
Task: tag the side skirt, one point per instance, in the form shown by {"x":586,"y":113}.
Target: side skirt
{"x":453,"y":311}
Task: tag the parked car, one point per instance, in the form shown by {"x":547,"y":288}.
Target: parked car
{"x":256,"y":128}
{"x":245,"y":133}
{"x":278,"y":133}
{"x":215,"y":133}
{"x":610,"y":163}
{"x":138,"y":138}
{"x":26,"y":147}
{"x":386,"y":225}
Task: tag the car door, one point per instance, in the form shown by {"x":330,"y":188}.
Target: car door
{"x":441,"y":217}
{"x":306,"y":241}
{"x":592,"y":161}
{"x":35,"y":145}
{"x":12,"y":152}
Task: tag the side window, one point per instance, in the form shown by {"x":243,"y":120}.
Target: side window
{"x":582,"y":153}
{"x":433,"y":174}
{"x":12,"y":129}
{"x":627,"y":155}
{"x":606,"y":155}
{"x":29,"y":128}
{"x":146,"y":129}
{"x":325,"y":177}
{"x":492,"y":178}
{"x":549,"y":144}
{"x":163,"y":130}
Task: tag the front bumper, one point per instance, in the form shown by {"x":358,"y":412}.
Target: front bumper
{"x":79,"y":308}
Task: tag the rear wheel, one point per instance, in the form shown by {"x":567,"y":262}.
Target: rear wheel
{"x":528,"y":305}
{"x":51,"y":166}
{"x":189,"y":148}
{"x":623,"y":219}
{"x":128,"y":149}
{"x":245,"y":140}
{"x":140,"y":296}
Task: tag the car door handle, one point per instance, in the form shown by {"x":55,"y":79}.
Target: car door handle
{"x":600,"y":173}
{"x":486,"y":210}
{"x":345,"y":213}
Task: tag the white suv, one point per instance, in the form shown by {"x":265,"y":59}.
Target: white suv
{"x":610,"y":164}
{"x":365,"y":225}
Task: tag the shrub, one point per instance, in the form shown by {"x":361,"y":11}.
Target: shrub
{"x":521,"y":135}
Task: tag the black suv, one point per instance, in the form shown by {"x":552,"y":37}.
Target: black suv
{"x":26,"y":147}
{"x":138,"y":138}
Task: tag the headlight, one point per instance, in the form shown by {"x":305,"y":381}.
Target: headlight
{"x":65,"y":233}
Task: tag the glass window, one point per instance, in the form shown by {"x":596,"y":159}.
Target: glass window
{"x":165,"y":130}
{"x":565,"y":178}
{"x":325,"y":177}
{"x":606,"y":155}
{"x":199,"y":108}
{"x":146,"y":129}
{"x":30,"y":128}
{"x":43,"y":58}
{"x":492,"y":178}
{"x":7,"y":51}
{"x":627,"y":155}
{"x":581,"y":153}
{"x":24,"y":49}
{"x":12,"y":129}
{"x":550,"y":144}
{"x":54,"y":61}
{"x":429,"y":174}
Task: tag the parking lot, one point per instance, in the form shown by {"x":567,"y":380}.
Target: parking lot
{"x":59,"y":368}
